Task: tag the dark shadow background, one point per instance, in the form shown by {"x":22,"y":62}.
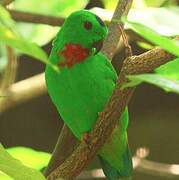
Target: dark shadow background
{"x":154,"y":119}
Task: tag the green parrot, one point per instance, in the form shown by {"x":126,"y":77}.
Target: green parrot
{"x":84,"y":85}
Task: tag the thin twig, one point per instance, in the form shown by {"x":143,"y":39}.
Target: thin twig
{"x":125,"y":41}
{"x":122,"y":9}
{"x":62,"y":149}
{"x":9,"y":74}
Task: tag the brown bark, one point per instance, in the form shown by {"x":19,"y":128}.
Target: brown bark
{"x":36,"y":18}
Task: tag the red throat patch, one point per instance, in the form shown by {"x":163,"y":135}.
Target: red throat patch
{"x":73,"y":53}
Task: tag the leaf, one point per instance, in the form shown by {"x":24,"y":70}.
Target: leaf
{"x":168,"y":84}
{"x":5,"y":17}
{"x":15,"y":169}
{"x":37,"y":32}
{"x":10,"y":36}
{"x":159,"y":19}
{"x":29,"y":157}
{"x":144,"y":45}
{"x":55,"y":7}
{"x":151,"y":35}
{"x":110,"y":4}
{"x":4,"y":177}
{"x":164,"y":3}
{"x":160,"y":3}
{"x":169,"y":69}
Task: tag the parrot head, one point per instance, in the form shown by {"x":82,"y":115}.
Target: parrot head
{"x":81,"y":35}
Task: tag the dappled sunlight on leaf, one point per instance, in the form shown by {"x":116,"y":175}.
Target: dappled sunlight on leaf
{"x":110,"y":4}
{"x":170,"y":69}
{"x":11,"y":37}
{"x":168,"y":84}
{"x":15,"y":169}
{"x":30,"y":157}
{"x":159,"y":19}
{"x":55,"y":7}
{"x":151,"y":35}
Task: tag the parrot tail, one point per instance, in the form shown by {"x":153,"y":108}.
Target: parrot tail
{"x":115,"y":174}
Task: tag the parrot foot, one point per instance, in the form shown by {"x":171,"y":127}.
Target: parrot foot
{"x":84,"y":139}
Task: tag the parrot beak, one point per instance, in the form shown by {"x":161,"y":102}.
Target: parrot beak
{"x":98,"y":45}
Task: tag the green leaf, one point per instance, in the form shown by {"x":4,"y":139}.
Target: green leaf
{"x":9,"y":38}
{"x":15,"y":169}
{"x":160,"y":3}
{"x":169,"y":69}
{"x":144,"y":45}
{"x":164,"y":3}
{"x":151,"y":35}
{"x":29,"y":157}
{"x":4,"y":177}
{"x":5,"y":17}
{"x":55,"y":7}
{"x":168,"y":84}
{"x":40,"y":33}
{"x":159,"y":19}
{"x":6,"y":20}
{"x":110,"y":4}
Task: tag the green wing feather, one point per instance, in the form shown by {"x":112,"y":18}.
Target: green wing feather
{"x":82,"y":91}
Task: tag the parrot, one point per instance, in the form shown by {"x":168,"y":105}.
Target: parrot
{"x":84,"y":85}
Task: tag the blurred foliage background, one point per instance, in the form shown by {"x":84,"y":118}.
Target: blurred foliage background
{"x":154,"y":113}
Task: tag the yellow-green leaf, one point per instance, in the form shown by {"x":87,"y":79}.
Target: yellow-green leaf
{"x":151,"y":35}
{"x":168,"y":84}
{"x":15,"y":169}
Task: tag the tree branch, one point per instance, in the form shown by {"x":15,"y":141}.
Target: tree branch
{"x":111,"y":114}
{"x":114,"y":34}
{"x":23,"y":91}
{"x":143,"y":165}
{"x":62,"y":149}
{"x":36,"y":18}
{"x":147,"y":61}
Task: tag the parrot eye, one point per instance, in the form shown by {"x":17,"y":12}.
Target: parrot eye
{"x":100,"y":21}
{"x":88,"y":25}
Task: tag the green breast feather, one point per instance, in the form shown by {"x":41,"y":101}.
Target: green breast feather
{"x":81,"y":91}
